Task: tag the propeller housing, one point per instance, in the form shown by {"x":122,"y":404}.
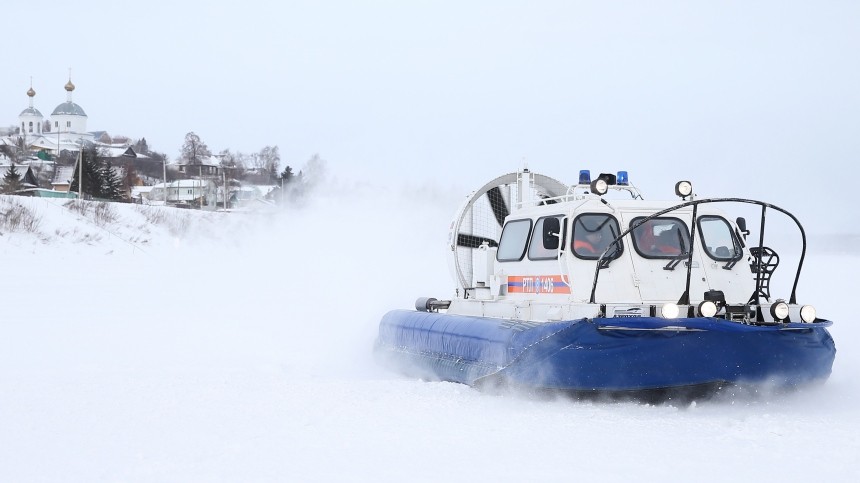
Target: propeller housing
{"x":481,"y":217}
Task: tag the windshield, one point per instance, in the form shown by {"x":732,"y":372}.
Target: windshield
{"x":512,"y":246}
{"x":663,"y":237}
{"x":592,"y":234}
{"x":718,"y":239}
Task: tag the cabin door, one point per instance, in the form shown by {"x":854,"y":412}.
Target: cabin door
{"x":723,"y":259}
{"x":591,"y":233}
{"x":659,"y":249}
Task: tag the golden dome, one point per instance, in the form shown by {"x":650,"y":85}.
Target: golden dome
{"x":69,"y":86}
{"x":31,"y":92}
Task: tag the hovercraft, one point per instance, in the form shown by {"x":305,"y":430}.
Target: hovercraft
{"x":589,"y":287}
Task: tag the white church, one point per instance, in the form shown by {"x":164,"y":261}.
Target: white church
{"x":43,"y":140}
{"x":66,"y":130}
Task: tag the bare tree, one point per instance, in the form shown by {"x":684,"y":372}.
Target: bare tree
{"x":270,"y":160}
{"x":234,"y":163}
{"x":257,"y":162}
{"x":194,"y":150}
{"x":315,"y":171}
{"x":228,"y":159}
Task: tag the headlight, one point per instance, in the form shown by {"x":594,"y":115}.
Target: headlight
{"x":599,"y":187}
{"x":683,"y":189}
{"x":779,"y":310}
{"x":670,"y":310}
{"x":707,"y":309}
{"x":807,"y":313}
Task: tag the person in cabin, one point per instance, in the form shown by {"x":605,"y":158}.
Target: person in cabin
{"x":668,"y":243}
{"x":658,"y":238}
{"x":590,"y":245}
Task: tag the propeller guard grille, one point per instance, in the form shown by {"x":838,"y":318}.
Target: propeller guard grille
{"x":481,"y":217}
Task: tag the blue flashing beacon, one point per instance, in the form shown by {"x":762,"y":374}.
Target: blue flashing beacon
{"x":584,"y":176}
{"x":622,"y":178}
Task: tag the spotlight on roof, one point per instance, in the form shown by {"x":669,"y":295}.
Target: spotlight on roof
{"x":599,"y":186}
{"x":683,"y":189}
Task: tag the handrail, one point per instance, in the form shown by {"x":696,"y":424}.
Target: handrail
{"x":695,"y":203}
{"x":572,"y":196}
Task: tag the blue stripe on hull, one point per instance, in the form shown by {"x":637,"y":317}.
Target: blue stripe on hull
{"x":606,"y":354}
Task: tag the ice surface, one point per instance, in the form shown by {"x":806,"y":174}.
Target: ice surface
{"x":238,"y":348}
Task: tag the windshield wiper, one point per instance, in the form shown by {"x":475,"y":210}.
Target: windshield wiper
{"x":677,"y":260}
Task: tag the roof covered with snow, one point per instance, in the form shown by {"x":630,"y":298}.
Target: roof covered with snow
{"x":64,"y":174}
{"x":69,"y":108}
{"x":31,"y":111}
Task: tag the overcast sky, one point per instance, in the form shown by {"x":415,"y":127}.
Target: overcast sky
{"x":728,"y":94}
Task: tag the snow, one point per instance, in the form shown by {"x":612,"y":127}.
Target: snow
{"x":193,"y":346}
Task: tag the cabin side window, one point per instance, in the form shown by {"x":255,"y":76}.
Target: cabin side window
{"x":718,"y":239}
{"x":546,"y":237}
{"x":663,"y":237}
{"x":515,"y":236}
{"x":592,"y":235}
